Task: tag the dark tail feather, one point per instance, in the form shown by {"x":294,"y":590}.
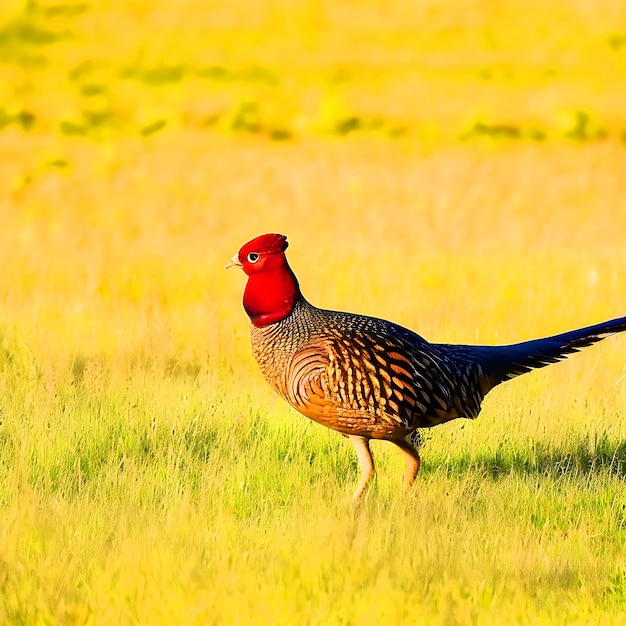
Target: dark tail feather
{"x":500,"y":363}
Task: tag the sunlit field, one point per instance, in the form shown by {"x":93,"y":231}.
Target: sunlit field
{"x":458,"y":167}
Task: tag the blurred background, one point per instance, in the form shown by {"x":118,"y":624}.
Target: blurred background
{"x":443,"y":162}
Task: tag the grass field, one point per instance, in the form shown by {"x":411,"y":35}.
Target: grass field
{"x":457,"y":167}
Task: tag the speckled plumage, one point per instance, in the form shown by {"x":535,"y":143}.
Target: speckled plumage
{"x":362,"y":375}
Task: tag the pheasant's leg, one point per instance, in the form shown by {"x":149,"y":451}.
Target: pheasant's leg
{"x":362,"y":447}
{"x":412,"y":459}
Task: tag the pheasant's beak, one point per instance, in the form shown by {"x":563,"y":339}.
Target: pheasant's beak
{"x":234,"y":262}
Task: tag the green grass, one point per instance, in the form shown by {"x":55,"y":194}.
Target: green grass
{"x":157,"y":496}
{"x":147,"y":473}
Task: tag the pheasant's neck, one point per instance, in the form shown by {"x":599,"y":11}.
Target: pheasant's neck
{"x":271,"y":295}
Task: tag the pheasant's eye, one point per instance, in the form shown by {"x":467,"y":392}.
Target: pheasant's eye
{"x":253,"y":257}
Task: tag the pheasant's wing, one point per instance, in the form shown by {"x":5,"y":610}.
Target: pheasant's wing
{"x":376,"y":384}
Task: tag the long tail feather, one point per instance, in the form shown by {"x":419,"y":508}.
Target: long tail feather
{"x":501,"y":363}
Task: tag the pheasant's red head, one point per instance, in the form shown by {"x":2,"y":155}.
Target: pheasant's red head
{"x":272,"y":287}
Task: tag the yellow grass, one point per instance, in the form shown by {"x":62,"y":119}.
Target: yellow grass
{"x":456,"y":167}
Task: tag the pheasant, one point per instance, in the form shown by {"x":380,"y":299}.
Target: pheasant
{"x":369,"y":378}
